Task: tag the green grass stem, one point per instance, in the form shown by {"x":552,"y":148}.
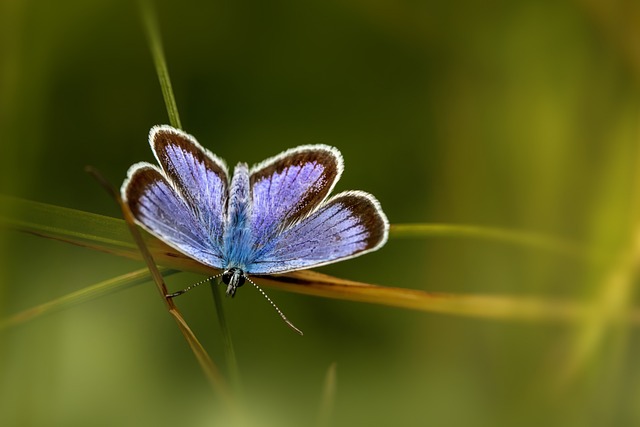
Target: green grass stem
{"x":520,"y":238}
{"x":229,"y":349}
{"x":89,"y":293}
{"x":150,"y":21}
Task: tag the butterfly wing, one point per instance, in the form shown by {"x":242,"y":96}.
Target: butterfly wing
{"x":347,"y":225}
{"x":294,"y":227}
{"x":184,"y":203}
{"x":287,"y":187}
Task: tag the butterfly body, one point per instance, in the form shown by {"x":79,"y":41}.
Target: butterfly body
{"x":238,"y":238}
{"x":272,"y":218}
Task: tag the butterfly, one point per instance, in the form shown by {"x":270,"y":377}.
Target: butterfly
{"x":274,"y":217}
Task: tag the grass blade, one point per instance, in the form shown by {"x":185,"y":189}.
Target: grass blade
{"x":150,"y":21}
{"x":89,"y":293}
{"x":328,"y":397}
{"x":207,"y":365}
{"x":515,"y":237}
{"x":110,"y":235}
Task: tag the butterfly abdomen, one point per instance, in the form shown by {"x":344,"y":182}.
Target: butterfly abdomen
{"x":237,"y":236}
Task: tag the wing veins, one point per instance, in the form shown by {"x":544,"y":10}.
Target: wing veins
{"x":322,"y":223}
{"x":302,"y":243}
{"x":168,"y":192}
{"x":291,"y":209}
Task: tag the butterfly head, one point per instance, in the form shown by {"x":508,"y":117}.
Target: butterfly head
{"x":233,"y":278}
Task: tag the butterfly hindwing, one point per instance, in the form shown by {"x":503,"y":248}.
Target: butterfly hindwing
{"x":287,"y":187}
{"x":347,"y":225}
{"x":159,"y":209}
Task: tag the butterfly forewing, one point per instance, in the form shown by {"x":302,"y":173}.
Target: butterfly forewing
{"x":347,"y":225}
{"x":286,"y":188}
{"x":199,"y":176}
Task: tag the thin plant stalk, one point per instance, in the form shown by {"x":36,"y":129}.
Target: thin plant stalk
{"x":150,"y":21}
{"x":209,"y":368}
{"x":110,"y":235}
{"x":328,"y":399}
{"x":230,"y":353}
{"x":548,"y":243}
{"x":89,"y":293}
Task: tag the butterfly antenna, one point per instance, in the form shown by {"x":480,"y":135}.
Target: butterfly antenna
{"x":187,"y":289}
{"x":291,"y":325}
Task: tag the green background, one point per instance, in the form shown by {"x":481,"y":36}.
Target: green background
{"x":517,"y":114}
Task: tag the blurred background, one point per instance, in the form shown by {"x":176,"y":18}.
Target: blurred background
{"x":516,"y":114}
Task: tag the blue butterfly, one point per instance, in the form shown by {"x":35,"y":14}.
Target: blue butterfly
{"x":275,"y":217}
